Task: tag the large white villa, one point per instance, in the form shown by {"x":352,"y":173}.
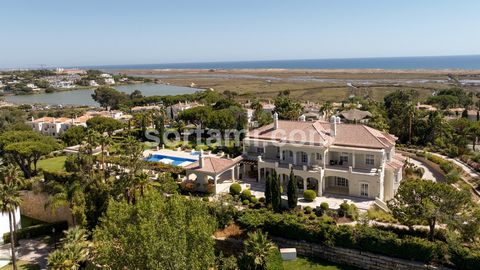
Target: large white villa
{"x":328,"y":157}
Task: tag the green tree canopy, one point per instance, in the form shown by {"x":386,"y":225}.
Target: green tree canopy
{"x":287,"y":109}
{"x":156,"y":233}
{"x":25,"y":148}
{"x":109,"y":97}
{"x":197,"y":115}
{"x":422,"y":201}
{"x":74,"y":135}
{"x":104,"y":124}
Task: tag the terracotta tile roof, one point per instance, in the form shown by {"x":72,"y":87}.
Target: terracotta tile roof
{"x":355,"y":114}
{"x":319,"y":133}
{"x":292,"y":131}
{"x":397,"y":162}
{"x":47,"y":119}
{"x":214,"y":164}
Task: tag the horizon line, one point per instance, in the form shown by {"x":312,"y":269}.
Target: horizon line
{"x":239,"y":61}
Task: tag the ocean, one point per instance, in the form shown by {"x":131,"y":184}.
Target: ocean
{"x":468,"y":62}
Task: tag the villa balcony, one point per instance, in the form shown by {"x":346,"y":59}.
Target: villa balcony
{"x":287,"y":165}
{"x":345,"y":168}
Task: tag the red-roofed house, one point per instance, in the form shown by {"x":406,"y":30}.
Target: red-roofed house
{"x":213,"y":174}
{"x":328,"y":157}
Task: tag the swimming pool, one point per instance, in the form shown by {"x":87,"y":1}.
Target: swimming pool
{"x":177,"y":161}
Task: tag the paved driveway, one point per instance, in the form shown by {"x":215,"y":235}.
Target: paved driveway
{"x":31,"y":250}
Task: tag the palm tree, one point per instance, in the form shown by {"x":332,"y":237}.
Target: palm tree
{"x":410,"y":113}
{"x":144,"y":183}
{"x":327,"y":109}
{"x":91,"y":140}
{"x":9,"y":202}
{"x":74,"y":251}
{"x":257,"y":249}
{"x":9,"y":175}
{"x":104,"y":142}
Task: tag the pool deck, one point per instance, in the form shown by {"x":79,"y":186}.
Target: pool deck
{"x":171,"y":153}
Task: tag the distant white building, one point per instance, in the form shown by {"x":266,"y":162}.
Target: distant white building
{"x":109,"y":81}
{"x":107,"y":78}
{"x":92,"y":83}
{"x":52,"y":126}
{"x":63,"y":84}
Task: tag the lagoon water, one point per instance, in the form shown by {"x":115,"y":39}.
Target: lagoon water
{"x":84,"y":96}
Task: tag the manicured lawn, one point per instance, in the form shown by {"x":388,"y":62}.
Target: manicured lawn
{"x":22,"y":265}
{"x":54,"y":164}
{"x":314,"y":264}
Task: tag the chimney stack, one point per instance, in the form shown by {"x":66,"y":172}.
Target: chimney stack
{"x":275,"y":120}
{"x":333,"y":126}
{"x":201,"y":159}
{"x":302,"y":118}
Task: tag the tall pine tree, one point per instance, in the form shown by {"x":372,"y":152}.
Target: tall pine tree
{"x":276,"y":194}
{"x":268,"y":190}
{"x":292,"y":191}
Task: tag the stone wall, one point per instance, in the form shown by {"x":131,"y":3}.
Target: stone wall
{"x":357,"y":258}
{"x":33,"y":205}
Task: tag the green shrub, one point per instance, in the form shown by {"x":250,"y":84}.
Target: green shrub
{"x":343,"y":209}
{"x":348,"y":210}
{"x":327,"y":220}
{"x":309,"y":195}
{"x":307,"y":210}
{"x":323,"y":230}
{"x":262,"y":199}
{"x":312,"y":216}
{"x":324,"y":206}
{"x":452,"y":176}
{"x":464,"y":258}
{"x":235,"y":189}
{"x":253,"y":199}
{"x":246,"y":195}
{"x":245,"y":202}
{"x":38,"y":230}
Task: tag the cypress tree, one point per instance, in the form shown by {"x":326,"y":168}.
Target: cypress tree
{"x":268,"y":190}
{"x":276,"y":194}
{"x":292,"y":191}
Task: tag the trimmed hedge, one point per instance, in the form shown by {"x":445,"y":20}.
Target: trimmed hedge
{"x":235,"y":189}
{"x":379,"y":241}
{"x":37,"y":230}
{"x":246,"y":195}
{"x":309,"y":195}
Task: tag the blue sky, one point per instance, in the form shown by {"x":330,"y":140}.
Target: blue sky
{"x":94,"y":32}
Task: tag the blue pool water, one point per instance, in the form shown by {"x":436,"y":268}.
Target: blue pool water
{"x":175,"y":160}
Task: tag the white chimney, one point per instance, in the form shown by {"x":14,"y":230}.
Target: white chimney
{"x":275,"y":120}
{"x":333,"y":126}
{"x":201,"y":159}
{"x":302,"y":118}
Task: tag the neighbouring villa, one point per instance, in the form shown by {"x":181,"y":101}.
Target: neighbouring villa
{"x":328,"y":157}
{"x":52,"y":126}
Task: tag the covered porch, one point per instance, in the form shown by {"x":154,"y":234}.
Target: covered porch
{"x":211,"y":174}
